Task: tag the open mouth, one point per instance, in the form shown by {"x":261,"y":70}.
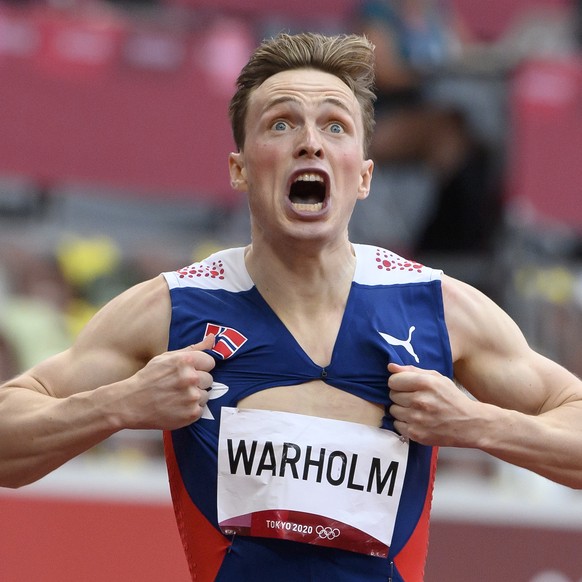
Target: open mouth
{"x":308,"y":191}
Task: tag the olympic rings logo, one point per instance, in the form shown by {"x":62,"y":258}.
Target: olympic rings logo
{"x":327,"y":533}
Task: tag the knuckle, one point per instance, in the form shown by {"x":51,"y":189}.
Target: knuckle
{"x":423,"y":402}
{"x":415,"y":435}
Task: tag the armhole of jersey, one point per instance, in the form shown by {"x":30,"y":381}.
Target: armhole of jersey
{"x":446,"y":348}
{"x":171,"y":279}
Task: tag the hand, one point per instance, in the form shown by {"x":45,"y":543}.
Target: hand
{"x":428,"y":407}
{"x":171,"y":391}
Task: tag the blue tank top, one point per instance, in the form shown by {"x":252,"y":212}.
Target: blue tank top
{"x":394,"y":313}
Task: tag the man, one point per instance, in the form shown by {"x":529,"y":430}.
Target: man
{"x":303,"y":382}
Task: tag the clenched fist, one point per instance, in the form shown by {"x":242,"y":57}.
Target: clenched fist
{"x":171,"y":390}
{"x":429,"y":408}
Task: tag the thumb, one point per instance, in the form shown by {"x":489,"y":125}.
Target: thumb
{"x":206,"y":344}
{"x":398,"y":368}
{"x":394,"y":368}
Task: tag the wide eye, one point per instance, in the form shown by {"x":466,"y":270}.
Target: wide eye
{"x":280,"y":125}
{"x":336,"y":127}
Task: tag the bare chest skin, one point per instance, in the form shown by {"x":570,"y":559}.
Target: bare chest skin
{"x":316,"y":398}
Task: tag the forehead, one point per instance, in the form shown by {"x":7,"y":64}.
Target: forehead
{"x":306,"y":86}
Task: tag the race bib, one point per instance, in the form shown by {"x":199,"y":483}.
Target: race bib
{"x":308,"y":479}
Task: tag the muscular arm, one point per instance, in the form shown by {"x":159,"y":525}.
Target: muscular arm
{"x":116,"y":375}
{"x":528,"y":409}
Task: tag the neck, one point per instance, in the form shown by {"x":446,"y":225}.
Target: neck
{"x":301,"y":275}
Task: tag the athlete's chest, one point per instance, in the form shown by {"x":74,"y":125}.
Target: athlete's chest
{"x":255,"y":350}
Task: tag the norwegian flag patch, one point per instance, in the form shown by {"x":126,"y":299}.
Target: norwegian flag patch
{"x":227,"y":341}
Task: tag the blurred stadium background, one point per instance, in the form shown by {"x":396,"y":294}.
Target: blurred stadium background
{"x":113,"y":144}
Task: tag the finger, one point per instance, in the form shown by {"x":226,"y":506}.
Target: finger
{"x":397,"y":412}
{"x":402,"y":377}
{"x":395,"y":368}
{"x":201,"y":359}
{"x":203,"y":398}
{"x":205,"y":380}
{"x":404,"y":381}
{"x":206,"y":344}
{"x":399,"y":397}
{"x":410,"y":378}
{"x":401,"y":428}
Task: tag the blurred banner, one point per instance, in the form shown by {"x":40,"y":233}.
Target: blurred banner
{"x":117,"y":102}
{"x":545,"y":142}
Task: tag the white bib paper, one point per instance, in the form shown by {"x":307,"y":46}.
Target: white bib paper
{"x":309,"y":479}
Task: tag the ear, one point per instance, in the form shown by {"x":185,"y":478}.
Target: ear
{"x":237,"y":171}
{"x":365,"y":179}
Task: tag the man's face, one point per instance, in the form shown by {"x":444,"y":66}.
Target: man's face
{"x":302,"y":163}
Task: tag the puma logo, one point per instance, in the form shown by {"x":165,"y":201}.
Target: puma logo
{"x":406,"y":344}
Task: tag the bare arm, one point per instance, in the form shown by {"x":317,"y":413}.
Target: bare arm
{"x":117,"y":375}
{"x":528,"y":409}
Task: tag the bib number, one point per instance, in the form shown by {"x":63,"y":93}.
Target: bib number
{"x":308,"y":479}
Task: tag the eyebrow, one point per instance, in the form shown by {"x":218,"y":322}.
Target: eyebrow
{"x":279,"y":100}
{"x":290,"y":99}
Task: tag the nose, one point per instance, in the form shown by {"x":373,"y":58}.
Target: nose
{"x":309,"y":143}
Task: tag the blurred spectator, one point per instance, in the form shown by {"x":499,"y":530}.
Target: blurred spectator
{"x":8,"y":359}
{"x":49,"y":297}
{"x":414,"y":39}
{"x":32,"y":312}
{"x":8,"y":362}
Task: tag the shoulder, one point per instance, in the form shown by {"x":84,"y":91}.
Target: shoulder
{"x":222,"y":270}
{"x":135,"y":322}
{"x":477,"y":325}
{"x":467,"y":313}
{"x":378,"y":266}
